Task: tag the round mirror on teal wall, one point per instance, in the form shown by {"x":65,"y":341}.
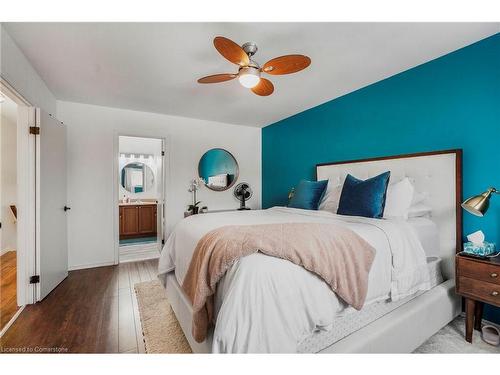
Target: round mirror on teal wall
{"x":218,"y":169}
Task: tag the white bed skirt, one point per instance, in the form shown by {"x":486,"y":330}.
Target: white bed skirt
{"x":184,"y":312}
{"x":406,"y":328}
{"x":400,"y":331}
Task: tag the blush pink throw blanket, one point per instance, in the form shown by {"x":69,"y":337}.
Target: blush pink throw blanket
{"x":336,"y":254}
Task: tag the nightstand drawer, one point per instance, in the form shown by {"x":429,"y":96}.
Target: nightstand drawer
{"x":484,"y":291}
{"x":480,"y":271}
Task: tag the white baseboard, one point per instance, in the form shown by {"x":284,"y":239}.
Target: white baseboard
{"x":90,"y":265}
{"x":131,"y":253}
{"x":11,"y":321}
{"x":134,"y":253}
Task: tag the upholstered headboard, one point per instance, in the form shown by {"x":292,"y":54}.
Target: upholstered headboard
{"x":439,"y":174}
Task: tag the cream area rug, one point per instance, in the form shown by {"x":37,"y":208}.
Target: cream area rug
{"x":451,"y":339}
{"x":160,"y":328}
{"x":163,"y":334}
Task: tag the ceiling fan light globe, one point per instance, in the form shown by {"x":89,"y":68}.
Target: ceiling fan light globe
{"x":249,"y":80}
{"x":249,"y":77}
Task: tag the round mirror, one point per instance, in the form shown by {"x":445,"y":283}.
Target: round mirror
{"x":218,"y":169}
{"x":137,"y":177}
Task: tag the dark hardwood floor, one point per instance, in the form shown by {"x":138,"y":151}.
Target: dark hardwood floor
{"x":91,"y":311}
{"x":8,"y":287}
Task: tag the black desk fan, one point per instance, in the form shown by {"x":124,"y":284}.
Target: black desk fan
{"x":242,"y":192}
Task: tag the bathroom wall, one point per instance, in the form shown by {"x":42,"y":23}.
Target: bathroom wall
{"x":143,"y":150}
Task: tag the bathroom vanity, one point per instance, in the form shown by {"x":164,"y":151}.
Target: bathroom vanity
{"x":138,"y":220}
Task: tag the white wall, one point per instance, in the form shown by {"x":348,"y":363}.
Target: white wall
{"x":8,"y":180}
{"x":91,"y":133}
{"x":18,"y":72}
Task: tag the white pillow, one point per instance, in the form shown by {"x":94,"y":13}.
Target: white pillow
{"x":419,"y":210}
{"x":419,"y":197}
{"x":399,"y":198}
{"x":331,"y":198}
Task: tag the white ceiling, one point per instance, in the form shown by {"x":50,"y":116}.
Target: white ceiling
{"x":154,"y":66}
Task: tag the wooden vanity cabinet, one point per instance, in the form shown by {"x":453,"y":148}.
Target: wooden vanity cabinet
{"x":129,"y":220}
{"x":138,"y":220}
{"x":147,"y":219}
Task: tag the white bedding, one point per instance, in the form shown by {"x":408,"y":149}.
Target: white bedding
{"x":266,"y":304}
{"x":428,"y":233}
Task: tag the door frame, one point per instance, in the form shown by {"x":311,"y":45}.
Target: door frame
{"x":165,"y":137}
{"x":26,"y":197}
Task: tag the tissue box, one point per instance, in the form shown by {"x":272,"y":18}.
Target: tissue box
{"x":486,"y":248}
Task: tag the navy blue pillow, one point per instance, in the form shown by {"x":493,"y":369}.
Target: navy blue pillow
{"x":308,"y":194}
{"x":364,"y":198}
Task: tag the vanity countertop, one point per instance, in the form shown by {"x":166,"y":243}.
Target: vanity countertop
{"x":137,"y":203}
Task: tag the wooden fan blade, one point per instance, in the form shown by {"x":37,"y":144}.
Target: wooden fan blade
{"x":286,"y":64}
{"x":263,"y":88}
{"x":216,"y":78}
{"x":231,"y":51}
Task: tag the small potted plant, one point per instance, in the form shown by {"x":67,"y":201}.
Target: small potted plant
{"x":194,"y":186}
{"x":193,"y":208}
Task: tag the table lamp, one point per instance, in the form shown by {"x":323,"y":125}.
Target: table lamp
{"x":478,"y":204}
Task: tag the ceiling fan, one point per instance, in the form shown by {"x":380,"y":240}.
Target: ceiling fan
{"x":249,"y":71}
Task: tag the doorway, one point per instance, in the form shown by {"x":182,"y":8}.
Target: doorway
{"x":34,"y":195}
{"x":140,"y":197}
{"x":8,"y":210}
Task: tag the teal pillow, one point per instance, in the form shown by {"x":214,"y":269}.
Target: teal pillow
{"x":308,"y":194}
{"x":364,"y":198}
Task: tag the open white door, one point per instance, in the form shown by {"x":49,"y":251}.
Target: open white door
{"x":51,"y":221}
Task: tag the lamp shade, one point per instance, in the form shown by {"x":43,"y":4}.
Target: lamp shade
{"x":478,"y":204}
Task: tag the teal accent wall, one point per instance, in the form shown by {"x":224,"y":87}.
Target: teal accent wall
{"x":449,"y":102}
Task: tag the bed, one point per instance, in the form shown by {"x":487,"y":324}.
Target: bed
{"x":267,"y":304}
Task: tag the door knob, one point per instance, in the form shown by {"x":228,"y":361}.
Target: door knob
{"x":66,"y":208}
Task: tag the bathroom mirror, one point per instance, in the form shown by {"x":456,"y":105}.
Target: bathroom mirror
{"x":137,"y":177}
{"x":218,"y":169}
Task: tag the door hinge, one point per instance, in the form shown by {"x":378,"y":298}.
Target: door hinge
{"x":163,"y":242}
{"x":163,"y":153}
{"x":34,"y":130}
{"x":35,"y":279}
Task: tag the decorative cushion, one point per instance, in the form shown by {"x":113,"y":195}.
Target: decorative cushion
{"x":399,"y":198}
{"x":308,"y":194}
{"x":364,"y":198}
{"x":330,"y":200}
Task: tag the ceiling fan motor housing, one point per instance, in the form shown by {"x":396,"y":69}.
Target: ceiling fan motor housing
{"x":250,"y":48}
{"x":249,"y":70}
